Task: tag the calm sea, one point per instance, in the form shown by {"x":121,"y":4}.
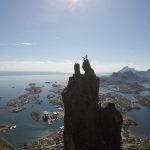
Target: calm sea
{"x":27,"y":130}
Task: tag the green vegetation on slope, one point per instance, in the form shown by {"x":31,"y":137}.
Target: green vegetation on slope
{"x":4,"y":145}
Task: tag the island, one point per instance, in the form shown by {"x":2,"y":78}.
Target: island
{"x":144,"y":100}
{"x":122,"y":104}
{"x":6,"y":127}
{"x":32,"y":94}
{"x":46,"y":116}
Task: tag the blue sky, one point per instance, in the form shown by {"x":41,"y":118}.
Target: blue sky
{"x":51,"y":35}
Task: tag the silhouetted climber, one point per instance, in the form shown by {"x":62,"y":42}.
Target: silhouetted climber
{"x":86,"y":56}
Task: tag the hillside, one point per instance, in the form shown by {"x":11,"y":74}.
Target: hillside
{"x":4,"y":145}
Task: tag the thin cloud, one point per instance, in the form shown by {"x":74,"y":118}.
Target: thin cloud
{"x":25,"y":44}
{"x":16,"y":44}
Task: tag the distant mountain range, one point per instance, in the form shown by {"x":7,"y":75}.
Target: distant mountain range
{"x":127,"y":69}
{"x":140,"y":74}
{"x":127,"y":79}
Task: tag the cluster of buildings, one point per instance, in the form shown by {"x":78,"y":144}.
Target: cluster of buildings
{"x":54,"y":142}
{"x":50,"y":117}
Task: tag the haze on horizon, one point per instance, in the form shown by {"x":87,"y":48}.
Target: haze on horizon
{"x":51,"y":35}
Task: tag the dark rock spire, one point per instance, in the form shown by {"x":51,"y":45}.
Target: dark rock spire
{"x":84,"y":121}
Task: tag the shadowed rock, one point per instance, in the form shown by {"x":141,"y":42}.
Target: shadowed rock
{"x":84,"y":121}
{"x":111,"y":123}
{"x":77,"y":69}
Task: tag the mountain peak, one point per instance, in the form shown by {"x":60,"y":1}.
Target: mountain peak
{"x":127,"y":69}
{"x":148,"y":70}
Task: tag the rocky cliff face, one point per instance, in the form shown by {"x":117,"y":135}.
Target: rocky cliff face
{"x":86,"y":125}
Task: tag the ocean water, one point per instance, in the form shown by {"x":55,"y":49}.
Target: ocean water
{"x":29,"y":130}
{"x":142,"y":118}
